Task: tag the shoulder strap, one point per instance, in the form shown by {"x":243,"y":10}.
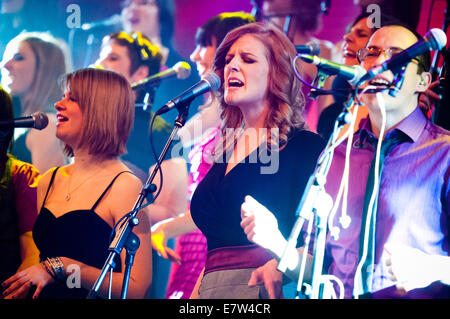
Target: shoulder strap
{"x":50,"y":185}
{"x":107,"y":189}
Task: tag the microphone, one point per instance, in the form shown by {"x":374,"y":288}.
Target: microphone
{"x":435,"y":39}
{"x":37,"y":121}
{"x":112,"y":20}
{"x":210,"y":82}
{"x":181,"y":69}
{"x":351,"y":73}
{"x":312,"y":48}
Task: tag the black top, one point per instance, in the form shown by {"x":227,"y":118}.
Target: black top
{"x":9,"y":234}
{"x":79,"y":234}
{"x":216,"y":203}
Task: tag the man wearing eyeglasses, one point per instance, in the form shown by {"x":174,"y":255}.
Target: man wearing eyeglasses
{"x":398,"y":236}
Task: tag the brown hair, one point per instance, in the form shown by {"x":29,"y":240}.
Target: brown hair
{"x":284,"y":88}
{"x":106,"y":101}
{"x":140,"y":50}
{"x":52,"y":62}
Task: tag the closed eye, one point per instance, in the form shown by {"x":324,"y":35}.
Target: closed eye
{"x":18,"y":57}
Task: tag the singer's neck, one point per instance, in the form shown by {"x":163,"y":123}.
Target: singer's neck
{"x":394,"y":117}
{"x":255,"y":115}
{"x":86,"y":161}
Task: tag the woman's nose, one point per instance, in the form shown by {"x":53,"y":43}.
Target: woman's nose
{"x":6,"y":64}
{"x":60,"y":105}
{"x":234,"y":64}
{"x":195,"y":55}
{"x":348,"y":37}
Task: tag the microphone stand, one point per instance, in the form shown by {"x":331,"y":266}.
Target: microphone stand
{"x":434,"y":65}
{"x":257,"y":10}
{"x":441,"y":110}
{"x":124,"y":236}
{"x":307,"y":209}
{"x":318,"y":84}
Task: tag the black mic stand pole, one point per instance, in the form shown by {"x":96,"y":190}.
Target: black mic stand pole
{"x":434,"y":65}
{"x":441,"y":112}
{"x":124,"y":236}
{"x":257,"y":10}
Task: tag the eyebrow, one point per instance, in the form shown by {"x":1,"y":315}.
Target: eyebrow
{"x":244,"y":53}
{"x":377,"y":47}
{"x":361,"y":31}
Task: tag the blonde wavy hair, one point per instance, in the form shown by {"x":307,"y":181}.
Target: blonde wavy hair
{"x":284,"y":88}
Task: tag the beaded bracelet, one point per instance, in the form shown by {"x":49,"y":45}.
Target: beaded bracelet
{"x":58,"y":267}
{"x":48,"y":270}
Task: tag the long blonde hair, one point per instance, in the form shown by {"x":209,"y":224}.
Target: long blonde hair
{"x":52,"y":62}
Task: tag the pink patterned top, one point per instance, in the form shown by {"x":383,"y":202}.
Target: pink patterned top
{"x":192,"y":247}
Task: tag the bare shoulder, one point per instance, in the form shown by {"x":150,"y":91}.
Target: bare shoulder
{"x":126,"y":183}
{"x":44,"y":181}
{"x":123,"y":196}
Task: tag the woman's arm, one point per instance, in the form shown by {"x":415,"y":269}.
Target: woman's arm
{"x":172,"y":200}
{"x":171,"y":228}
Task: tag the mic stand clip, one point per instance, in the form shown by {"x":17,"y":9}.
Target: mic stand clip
{"x":397,"y":82}
{"x":318,"y":83}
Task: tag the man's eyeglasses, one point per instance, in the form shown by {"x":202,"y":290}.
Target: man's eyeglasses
{"x":371,"y":53}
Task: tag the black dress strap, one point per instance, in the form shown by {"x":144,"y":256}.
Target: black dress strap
{"x":107,"y":188}
{"x":50,"y":185}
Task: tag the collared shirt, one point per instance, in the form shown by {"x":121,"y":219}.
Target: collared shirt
{"x":414,"y":197}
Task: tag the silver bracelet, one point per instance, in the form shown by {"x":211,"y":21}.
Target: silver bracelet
{"x":58,"y":267}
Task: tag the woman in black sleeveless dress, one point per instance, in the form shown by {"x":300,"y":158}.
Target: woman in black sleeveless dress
{"x":80,"y":203}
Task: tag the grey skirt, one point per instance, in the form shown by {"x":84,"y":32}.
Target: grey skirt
{"x":230,"y":284}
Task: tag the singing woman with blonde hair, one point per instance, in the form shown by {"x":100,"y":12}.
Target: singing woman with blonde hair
{"x":80,"y":203}
{"x":33,"y":64}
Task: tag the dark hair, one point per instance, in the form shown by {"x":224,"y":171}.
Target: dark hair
{"x":218,"y":26}
{"x":6,"y":113}
{"x":140,"y":50}
{"x":385,"y":20}
{"x":406,"y":11}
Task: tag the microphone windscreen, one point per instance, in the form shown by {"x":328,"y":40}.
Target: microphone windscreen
{"x":183,"y":70}
{"x":213,"y":80}
{"x":439,"y":37}
{"x":315,"y":48}
{"x":40,"y":120}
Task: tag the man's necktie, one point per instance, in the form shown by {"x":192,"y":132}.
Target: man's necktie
{"x":364,"y":284}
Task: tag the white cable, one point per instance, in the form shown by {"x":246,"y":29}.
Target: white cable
{"x":343,"y":188}
{"x":381,"y":105}
{"x":329,"y":289}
